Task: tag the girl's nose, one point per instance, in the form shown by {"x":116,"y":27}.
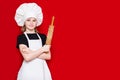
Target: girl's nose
{"x":31,"y":22}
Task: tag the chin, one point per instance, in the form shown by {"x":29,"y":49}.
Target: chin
{"x":31,"y":27}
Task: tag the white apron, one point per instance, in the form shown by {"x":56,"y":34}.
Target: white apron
{"x":36,"y":69}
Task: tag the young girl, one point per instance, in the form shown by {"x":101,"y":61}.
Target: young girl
{"x":32,"y":44}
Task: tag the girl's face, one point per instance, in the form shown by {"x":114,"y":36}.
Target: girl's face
{"x":30,"y":24}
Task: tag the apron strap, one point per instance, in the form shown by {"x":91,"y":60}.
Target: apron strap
{"x":26,"y":35}
{"x":38,"y":36}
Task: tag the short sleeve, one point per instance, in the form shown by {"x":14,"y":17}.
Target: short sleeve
{"x":21,"y":39}
{"x":43,"y":37}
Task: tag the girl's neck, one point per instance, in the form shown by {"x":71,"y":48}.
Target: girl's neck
{"x":30,"y":31}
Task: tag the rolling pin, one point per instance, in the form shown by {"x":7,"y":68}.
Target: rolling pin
{"x":50,"y":32}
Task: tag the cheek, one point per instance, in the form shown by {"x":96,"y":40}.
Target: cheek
{"x":26,"y":23}
{"x":35,"y":23}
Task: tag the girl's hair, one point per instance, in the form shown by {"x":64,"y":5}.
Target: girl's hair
{"x":23,"y":29}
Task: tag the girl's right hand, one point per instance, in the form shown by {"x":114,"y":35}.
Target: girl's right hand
{"x":46,"y":48}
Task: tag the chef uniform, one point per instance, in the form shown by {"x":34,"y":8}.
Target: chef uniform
{"x":36,"y":69}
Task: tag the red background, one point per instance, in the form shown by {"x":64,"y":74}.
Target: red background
{"x":85,"y":44}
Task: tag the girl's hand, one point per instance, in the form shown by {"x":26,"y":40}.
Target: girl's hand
{"x":46,"y":48}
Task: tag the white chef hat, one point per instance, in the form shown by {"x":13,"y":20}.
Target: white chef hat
{"x":27,"y":10}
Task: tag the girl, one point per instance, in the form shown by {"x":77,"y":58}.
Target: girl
{"x":32,"y":44}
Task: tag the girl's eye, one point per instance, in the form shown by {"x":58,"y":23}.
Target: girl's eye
{"x":28,"y":20}
{"x":34,"y":20}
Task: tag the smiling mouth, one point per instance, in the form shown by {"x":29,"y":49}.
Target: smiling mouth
{"x":31,"y":25}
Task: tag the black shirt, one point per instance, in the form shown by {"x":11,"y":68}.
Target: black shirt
{"x":21,"y":39}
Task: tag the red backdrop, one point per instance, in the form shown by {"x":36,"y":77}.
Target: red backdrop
{"x":85,"y":44}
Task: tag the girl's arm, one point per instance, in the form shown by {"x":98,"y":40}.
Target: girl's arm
{"x":46,"y":56}
{"x":28,"y":53}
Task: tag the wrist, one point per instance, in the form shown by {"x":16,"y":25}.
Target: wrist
{"x":41,"y":50}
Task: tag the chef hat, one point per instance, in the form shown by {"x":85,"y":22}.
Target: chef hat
{"x":27,"y":10}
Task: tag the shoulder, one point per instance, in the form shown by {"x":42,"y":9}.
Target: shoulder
{"x":42,"y":35}
{"x":21,"y":36}
{"x":21,"y":39}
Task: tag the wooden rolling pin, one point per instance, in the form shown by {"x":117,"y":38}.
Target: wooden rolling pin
{"x":50,"y":32}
